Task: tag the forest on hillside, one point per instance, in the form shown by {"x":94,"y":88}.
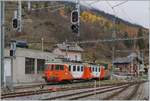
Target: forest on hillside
{"x":53,"y":25}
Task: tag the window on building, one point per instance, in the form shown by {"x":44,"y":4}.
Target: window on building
{"x":29,"y":65}
{"x":40,"y":65}
{"x":78,"y":68}
{"x":74,"y":68}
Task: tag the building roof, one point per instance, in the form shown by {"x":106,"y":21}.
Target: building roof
{"x":31,"y":53}
{"x":128,"y":59}
{"x":69,"y":47}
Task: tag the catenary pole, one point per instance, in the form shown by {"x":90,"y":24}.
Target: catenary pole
{"x":2,"y":33}
{"x":20,"y":16}
{"x":78,"y":9}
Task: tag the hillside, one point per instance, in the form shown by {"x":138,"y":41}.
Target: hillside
{"x":54,"y":26}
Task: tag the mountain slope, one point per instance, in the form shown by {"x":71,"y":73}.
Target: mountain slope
{"x":54,"y":26}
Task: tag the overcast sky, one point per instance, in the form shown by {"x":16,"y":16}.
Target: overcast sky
{"x":133,"y":11}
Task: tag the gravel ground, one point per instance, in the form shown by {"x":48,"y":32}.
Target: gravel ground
{"x":93,"y":97}
{"x":100,"y":96}
{"x":51,"y":85}
{"x":32,"y":87}
{"x":48,"y":95}
{"x":142,"y":92}
{"x":124,"y":94}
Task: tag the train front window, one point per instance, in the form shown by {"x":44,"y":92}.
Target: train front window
{"x":49,"y":66}
{"x":52,"y":67}
{"x":59,"y":67}
{"x":69,"y":67}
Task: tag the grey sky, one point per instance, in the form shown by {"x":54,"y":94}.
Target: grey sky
{"x":132,"y":11}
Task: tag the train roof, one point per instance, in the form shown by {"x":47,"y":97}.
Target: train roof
{"x":76,"y":63}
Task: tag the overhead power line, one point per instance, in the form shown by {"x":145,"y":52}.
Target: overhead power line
{"x":109,"y":40}
{"x":119,"y":4}
{"x":48,"y":7}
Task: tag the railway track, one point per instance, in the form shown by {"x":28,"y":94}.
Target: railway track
{"x":133,"y":93}
{"x":55,"y":89}
{"x":89,"y":92}
{"x":129,"y":96}
{"x":116,"y":93}
{"x":31,"y":86}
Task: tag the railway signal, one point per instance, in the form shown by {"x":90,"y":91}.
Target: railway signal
{"x":13,"y":48}
{"x":74,"y":17}
{"x":11,"y":52}
{"x":15,"y":23}
{"x":75,"y":28}
{"x":75,"y":21}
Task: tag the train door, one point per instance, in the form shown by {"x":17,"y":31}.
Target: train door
{"x":77,"y":71}
{"x":95,"y":71}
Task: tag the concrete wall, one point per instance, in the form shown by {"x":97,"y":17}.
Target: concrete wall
{"x":19,"y":75}
{"x":74,"y":56}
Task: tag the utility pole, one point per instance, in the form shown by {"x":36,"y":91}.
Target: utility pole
{"x":113,"y":37}
{"x":2,"y":34}
{"x":78,"y":9}
{"x":29,"y":5}
{"x":19,"y":16}
{"x":42,"y":39}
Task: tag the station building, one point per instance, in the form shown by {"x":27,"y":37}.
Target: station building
{"x":130,"y":65}
{"x":70,"y":52}
{"x":27,"y":66}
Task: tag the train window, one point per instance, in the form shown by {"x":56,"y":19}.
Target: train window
{"x":78,"y":68}
{"x":74,"y":68}
{"x":93,"y":69}
{"x":57,"y":67}
{"x":96,"y":69}
{"x":81,"y":68}
{"x":61,"y":67}
{"x":90,"y":68}
{"x":69,"y":67}
{"x":52,"y":67}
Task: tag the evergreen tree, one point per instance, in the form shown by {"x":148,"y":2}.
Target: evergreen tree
{"x":128,"y":43}
{"x":140,"y":43}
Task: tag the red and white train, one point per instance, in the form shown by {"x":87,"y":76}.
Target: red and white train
{"x":57,"y":72}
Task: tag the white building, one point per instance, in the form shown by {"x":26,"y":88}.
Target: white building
{"x":27,"y":66}
{"x":72,"y":52}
